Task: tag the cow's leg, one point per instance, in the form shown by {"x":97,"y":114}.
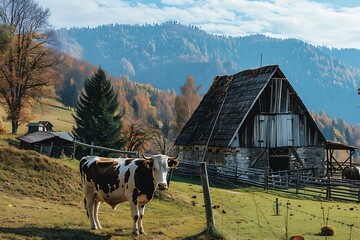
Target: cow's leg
{"x":140,"y":224}
{"x":135,"y":217}
{"x":89,"y":203}
{"x":90,"y":207}
{"x":96,"y":212}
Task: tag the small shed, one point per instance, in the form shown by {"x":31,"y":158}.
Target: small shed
{"x":41,"y":126}
{"x":256,"y":119}
{"x":53,"y":144}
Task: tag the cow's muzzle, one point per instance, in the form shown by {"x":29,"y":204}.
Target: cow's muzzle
{"x":162,"y":186}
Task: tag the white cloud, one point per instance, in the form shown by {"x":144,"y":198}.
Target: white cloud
{"x":317,"y":23}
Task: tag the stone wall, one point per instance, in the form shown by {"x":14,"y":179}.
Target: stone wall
{"x":312,"y":157}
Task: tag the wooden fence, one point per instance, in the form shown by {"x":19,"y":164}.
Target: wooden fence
{"x":301,"y":181}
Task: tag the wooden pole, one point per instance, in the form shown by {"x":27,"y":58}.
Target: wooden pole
{"x":297,"y":181}
{"x":51,"y":147}
{"x":266,"y":179}
{"x":207,"y":200}
{"x":277,"y":206}
{"x":74,"y":151}
{"x":92,"y":149}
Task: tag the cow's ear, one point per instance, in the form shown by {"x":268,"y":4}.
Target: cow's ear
{"x":172,"y":163}
{"x":148,"y":163}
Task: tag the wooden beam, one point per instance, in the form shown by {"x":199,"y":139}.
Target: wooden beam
{"x":297,"y":157}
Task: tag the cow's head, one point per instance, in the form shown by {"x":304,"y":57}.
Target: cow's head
{"x":160,"y":164}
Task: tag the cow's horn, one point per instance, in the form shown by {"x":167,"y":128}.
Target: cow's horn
{"x":147,"y":158}
{"x":175,"y":157}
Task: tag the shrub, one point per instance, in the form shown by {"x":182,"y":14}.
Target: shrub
{"x":327,"y":231}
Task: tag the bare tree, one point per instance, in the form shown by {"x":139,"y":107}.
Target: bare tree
{"x":137,"y":136}
{"x":27,"y":65}
{"x":5,"y":38}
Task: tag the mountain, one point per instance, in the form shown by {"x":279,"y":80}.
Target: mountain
{"x":165,"y":54}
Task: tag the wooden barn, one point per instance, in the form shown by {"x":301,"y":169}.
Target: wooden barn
{"x":253,"y":119}
{"x":54,"y":144}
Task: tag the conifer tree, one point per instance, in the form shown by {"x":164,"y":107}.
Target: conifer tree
{"x":97,"y":118}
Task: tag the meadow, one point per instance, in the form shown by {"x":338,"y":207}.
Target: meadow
{"x":41,"y":199}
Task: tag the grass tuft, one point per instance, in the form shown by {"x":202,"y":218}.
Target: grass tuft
{"x":328,"y":230}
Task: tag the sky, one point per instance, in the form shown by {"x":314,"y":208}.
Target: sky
{"x":331,"y":23}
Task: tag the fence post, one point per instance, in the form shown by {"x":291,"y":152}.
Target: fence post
{"x":74,"y":149}
{"x":207,"y":199}
{"x":277,"y":206}
{"x":170,"y":176}
{"x":51,"y":147}
{"x":328,"y":188}
{"x":266,"y":179}
{"x":297,"y":181}
{"x":92,"y":149}
{"x":236,"y":171}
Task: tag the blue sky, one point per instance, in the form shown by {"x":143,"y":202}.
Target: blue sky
{"x":332,"y":23}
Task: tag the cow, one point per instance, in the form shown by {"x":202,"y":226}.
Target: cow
{"x":116,"y":180}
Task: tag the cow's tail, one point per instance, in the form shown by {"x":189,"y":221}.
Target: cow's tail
{"x":82,"y":162}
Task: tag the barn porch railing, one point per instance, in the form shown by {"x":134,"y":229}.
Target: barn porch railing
{"x":302,"y":181}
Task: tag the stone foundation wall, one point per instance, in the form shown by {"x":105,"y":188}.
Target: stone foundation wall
{"x":312,"y":157}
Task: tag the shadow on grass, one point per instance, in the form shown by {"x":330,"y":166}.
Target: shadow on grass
{"x":207,"y":234}
{"x":52,"y":233}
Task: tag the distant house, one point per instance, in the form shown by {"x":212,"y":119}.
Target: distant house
{"x":40,"y":126}
{"x":42,"y":139}
{"x":254,"y":119}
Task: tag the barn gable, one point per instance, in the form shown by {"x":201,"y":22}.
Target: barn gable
{"x":251,"y":108}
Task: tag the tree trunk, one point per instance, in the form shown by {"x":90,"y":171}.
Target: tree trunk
{"x":14,"y":126}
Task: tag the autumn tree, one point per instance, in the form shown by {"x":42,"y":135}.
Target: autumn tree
{"x":26,"y":64}
{"x":97,"y":116}
{"x":162,"y":123}
{"x":186,"y":103}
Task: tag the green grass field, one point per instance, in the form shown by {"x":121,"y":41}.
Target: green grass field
{"x":41,"y":199}
{"x":48,"y":110}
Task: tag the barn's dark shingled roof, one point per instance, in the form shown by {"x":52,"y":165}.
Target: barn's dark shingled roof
{"x":41,"y":136}
{"x":240,"y":91}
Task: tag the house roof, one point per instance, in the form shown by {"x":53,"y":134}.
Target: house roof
{"x":225,"y":107}
{"x":41,"y":136}
{"x":40,"y":123}
{"x":339,"y":146}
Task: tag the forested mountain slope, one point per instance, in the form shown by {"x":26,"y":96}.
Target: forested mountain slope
{"x":164,"y":55}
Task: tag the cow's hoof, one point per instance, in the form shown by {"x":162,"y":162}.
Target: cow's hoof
{"x":136,"y":233}
{"x":142,"y":232}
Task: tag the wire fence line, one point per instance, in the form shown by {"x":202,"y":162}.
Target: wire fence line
{"x":354,"y":230}
{"x":302,"y":181}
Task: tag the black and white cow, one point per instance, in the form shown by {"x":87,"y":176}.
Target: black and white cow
{"x":116,"y":180}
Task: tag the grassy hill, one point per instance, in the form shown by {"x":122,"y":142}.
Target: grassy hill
{"x":41,"y":199}
{"x":48,"y":109}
